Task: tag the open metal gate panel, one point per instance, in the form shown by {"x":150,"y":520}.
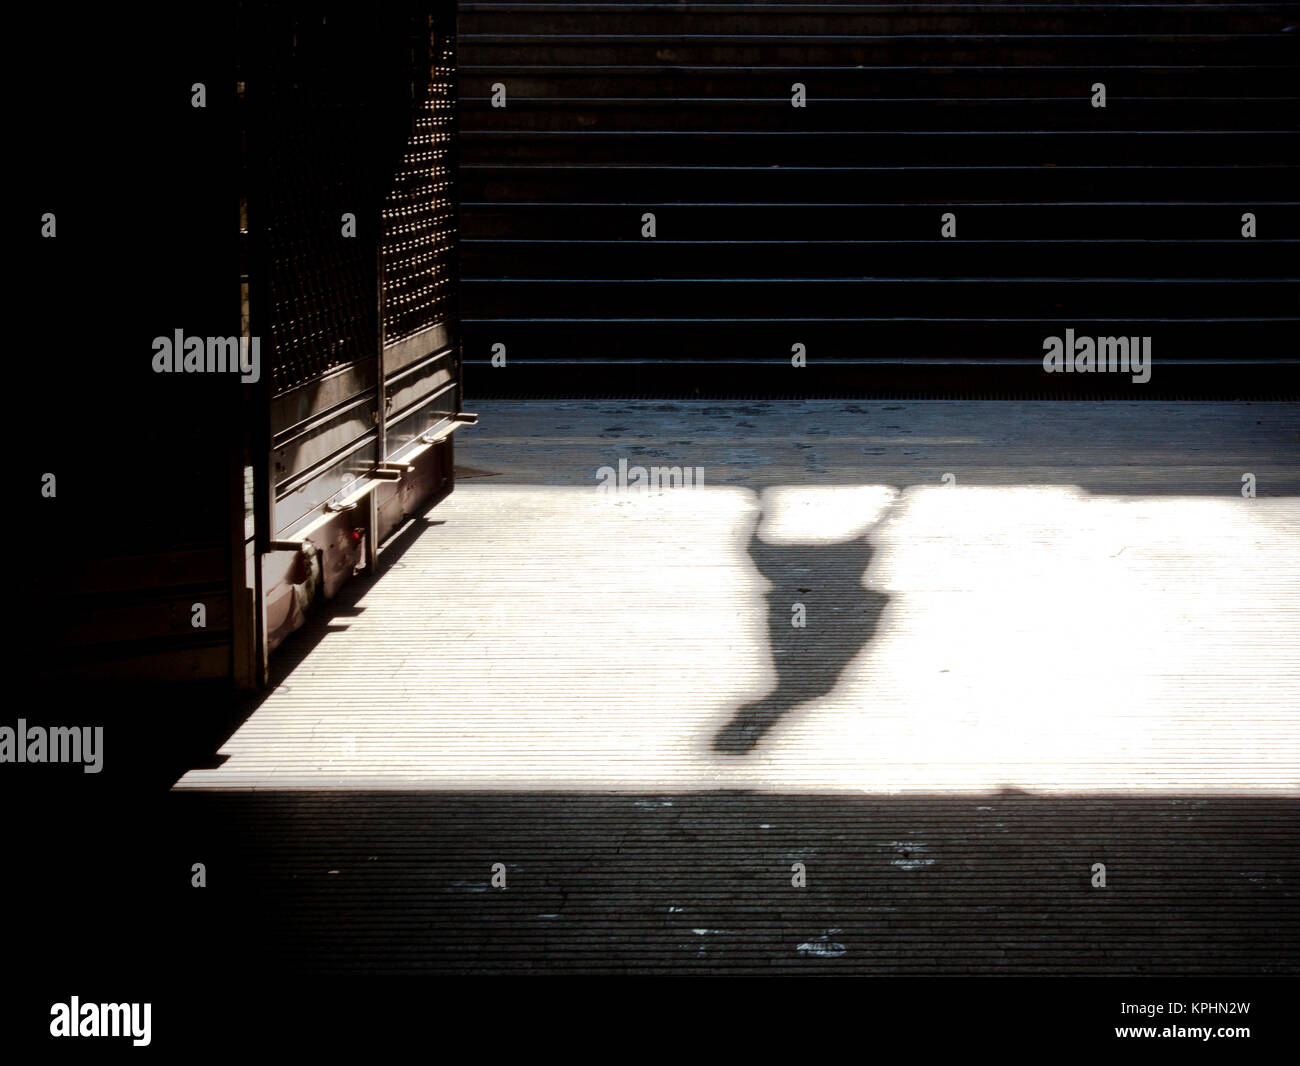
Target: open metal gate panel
{"x":351,"y":284}
{"x":419,"y":373}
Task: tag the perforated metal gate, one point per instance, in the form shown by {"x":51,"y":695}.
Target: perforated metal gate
{"x":420,"y":373}
{"x":350,"y":284}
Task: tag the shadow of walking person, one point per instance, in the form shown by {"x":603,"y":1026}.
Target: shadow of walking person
{"x":839,"y":618}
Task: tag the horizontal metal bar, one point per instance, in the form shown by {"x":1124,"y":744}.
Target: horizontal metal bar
{"x":416,"y":348}
{"x":423,"y":401}
{"x":415,"y":368}
{"x":437,"y":435}
{"x":294,"y":541}
{"x":289,"y":434}
{"x":283,"y":489}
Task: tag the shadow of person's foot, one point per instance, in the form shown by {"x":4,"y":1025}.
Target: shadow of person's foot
{"x":751,"y":722}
